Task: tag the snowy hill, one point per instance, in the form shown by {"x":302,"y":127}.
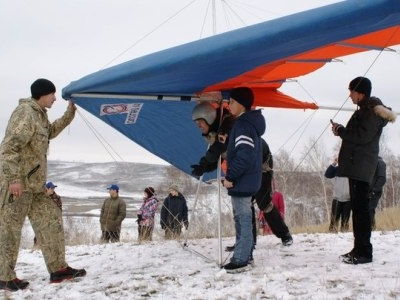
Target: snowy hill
{"x":80,"y":180}
{"x":83,"y":186}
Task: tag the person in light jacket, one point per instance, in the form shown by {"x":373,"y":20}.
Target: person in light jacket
{"x":146,"y":214}
{"x":341,"y":205}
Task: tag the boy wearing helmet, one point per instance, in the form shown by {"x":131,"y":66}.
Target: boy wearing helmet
{"x":212,"y":120}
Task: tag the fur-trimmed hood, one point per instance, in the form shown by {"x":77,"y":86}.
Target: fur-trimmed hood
{"x":380,"y":110}
{"x":385,"y":113}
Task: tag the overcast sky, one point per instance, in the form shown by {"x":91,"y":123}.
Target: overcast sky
{"x":66,"y":40}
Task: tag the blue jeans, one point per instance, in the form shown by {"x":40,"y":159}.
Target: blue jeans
{"x":243,"y":226}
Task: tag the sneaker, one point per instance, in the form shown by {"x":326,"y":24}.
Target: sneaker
{"x":235,"y":268}
{"x":13,"y":285}
{"x":287,"y":240}
{"x":66,"y":274}
{"x":356,"y":260}
{"x":230,"y":248}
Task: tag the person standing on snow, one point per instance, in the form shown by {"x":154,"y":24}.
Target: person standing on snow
{"x":341,"y":205}
{"x":53,"y":196}
{"x":113,"y":212}
{"x":146,"y":214}
{"x":244,"y":172}
{"x":174,"y":213}
{"x":23,"y":174}
{"x":358,"y":158}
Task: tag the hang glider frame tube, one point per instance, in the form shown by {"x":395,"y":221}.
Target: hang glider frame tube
{"x":135,"y":97}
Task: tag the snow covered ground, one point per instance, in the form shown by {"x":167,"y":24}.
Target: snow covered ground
{"x":309,"y":269}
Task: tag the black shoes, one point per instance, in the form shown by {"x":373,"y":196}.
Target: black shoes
{"x":59,"y":276}
{"x":66,"y":274}
{"x":347,"y":255}
{"x":235,"y":268}
{"x":287,"y":240}
{"x":14,"y":285}
{"x":353,"y":259}
{"x":251,"y":261}
{"x":356,"y":260}
{"x":230,"y":248}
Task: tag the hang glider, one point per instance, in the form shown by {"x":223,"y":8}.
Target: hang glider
{"x":150,"y":99}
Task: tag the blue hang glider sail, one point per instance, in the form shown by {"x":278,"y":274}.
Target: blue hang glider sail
{"x":150,"y":99}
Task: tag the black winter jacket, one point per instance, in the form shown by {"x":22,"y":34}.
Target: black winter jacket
{"x":358,"y":156}
{"x":174,"y":212}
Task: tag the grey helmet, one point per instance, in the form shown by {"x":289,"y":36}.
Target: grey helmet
{"x":206,"y":111}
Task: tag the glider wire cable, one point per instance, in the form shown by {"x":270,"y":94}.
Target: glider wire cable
{"x":101,"y":139}
{"x":148,"y":34}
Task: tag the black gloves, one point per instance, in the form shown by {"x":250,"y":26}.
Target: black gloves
{"x":204,"y":166}
{"x":198,"y":170}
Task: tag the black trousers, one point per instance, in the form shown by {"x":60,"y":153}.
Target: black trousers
{"x":340,"y":213}
{"x":373,"y":204}
{"x":272,"y":217}
{"x":361,"y":218}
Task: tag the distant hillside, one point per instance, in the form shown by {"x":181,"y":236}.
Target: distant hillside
{"x":131,"y":177}
{"x":83,"y":186}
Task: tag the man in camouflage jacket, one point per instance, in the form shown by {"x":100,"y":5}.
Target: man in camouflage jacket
{"x":23,"y":174}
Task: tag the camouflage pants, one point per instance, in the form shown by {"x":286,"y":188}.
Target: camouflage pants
{"x":46,"y":220}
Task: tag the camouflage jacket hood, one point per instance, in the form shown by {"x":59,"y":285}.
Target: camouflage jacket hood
{"x":23,"y":151}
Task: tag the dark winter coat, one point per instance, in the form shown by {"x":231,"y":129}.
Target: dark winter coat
{"x":267,"y":159}
{"x":245,"y":154}
{"x":358,"y":156}
{"x":113,"y":212}
{"x":264,"y":195}
{"x":379,"y":178}
{"x":174,"y":212}
{"x":221,"y":125}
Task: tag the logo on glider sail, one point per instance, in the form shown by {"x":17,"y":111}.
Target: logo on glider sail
{"x":132,"y":110}
{"x":111,"y":109}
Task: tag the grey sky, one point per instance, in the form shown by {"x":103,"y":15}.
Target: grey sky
{"x":66,"y":40}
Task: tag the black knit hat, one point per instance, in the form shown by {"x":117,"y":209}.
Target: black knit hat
{"x":244,"y":96}
{"x":361,"y":85}
{"x":42,"y":87}
{"x":149,"y":191}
